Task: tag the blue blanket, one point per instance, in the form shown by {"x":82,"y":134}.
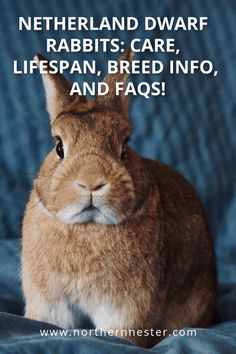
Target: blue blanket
{"x":21,"y":335}
{"x":192,"y":128}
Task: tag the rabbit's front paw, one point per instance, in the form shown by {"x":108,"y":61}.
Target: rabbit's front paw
{"x":55,"y":312}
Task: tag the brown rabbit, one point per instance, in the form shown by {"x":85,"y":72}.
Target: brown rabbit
{"x":112,"y":234}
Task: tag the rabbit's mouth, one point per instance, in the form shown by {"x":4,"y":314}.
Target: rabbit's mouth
{"x":90,"y":208}
{"x":90,"y":213}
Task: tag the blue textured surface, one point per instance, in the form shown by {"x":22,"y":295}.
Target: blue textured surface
{"x":192,"y":129}
{"x":20,"y":335}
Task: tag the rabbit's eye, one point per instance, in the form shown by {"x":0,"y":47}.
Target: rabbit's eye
{"x":60,"y":148}
{"x":124,"y":149}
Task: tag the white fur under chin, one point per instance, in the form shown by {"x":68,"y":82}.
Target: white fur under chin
{"x":74,"y":215}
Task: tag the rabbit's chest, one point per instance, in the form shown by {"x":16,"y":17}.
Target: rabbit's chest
{"x":97,"y":265}
{"x":88,"y":260}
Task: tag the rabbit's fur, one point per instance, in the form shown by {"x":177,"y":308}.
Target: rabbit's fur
{"x":143,"y":258}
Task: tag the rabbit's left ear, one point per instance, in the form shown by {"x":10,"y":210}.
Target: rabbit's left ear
{"x":57,"y":90}
{"x":115,"y":102}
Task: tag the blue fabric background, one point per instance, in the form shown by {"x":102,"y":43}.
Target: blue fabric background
{"x":192,"y":129}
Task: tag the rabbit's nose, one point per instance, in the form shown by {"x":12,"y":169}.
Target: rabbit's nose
{"x":89,"y":187}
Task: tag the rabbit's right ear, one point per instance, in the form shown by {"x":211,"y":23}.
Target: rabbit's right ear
{"x":57,"y":90}
{"x":120,"y":102}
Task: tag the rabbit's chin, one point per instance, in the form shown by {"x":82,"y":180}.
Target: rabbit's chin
{"x":74,"y":215}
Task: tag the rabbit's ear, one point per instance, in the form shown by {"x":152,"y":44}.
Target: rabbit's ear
{"x":57,"y":90}
{"x":119,"y":102}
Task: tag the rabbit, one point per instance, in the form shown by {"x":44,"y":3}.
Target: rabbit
{"x":106,"y":232}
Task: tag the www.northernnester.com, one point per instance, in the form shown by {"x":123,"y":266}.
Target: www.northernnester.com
{"x":122,"y":332}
